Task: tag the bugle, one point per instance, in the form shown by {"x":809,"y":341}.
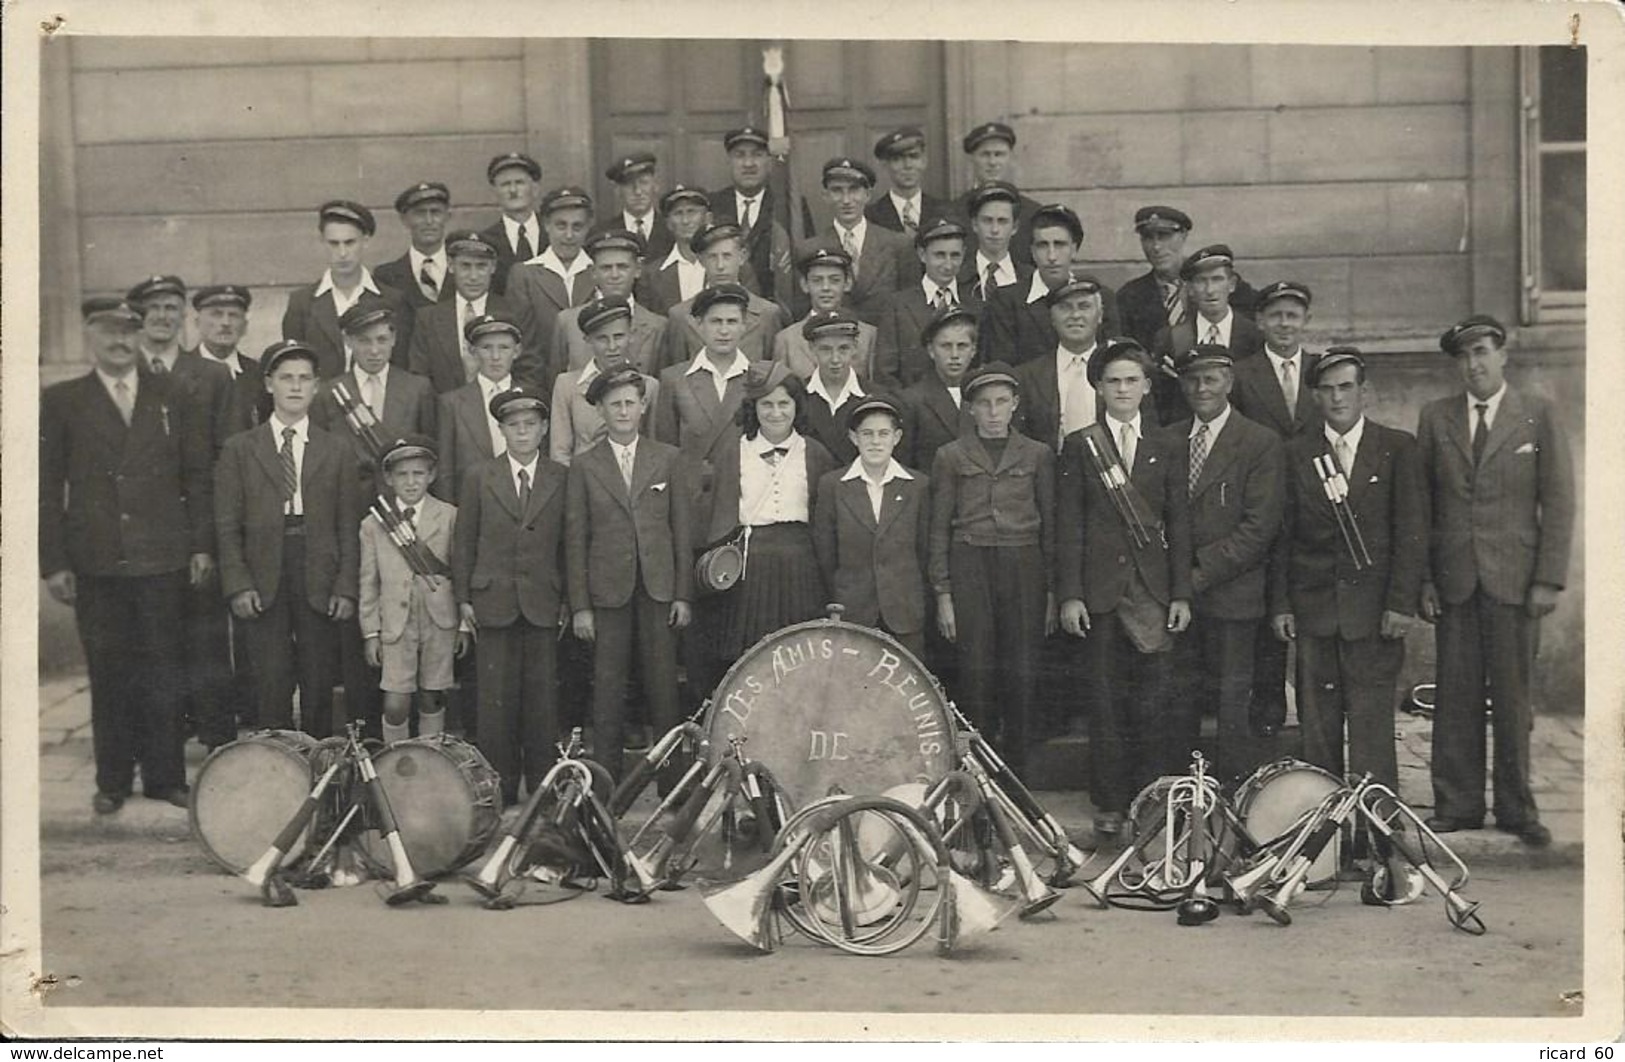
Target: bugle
{"x":1461,"y":912}
{"x":407,"y":885}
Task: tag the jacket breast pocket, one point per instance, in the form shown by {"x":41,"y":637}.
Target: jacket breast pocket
{"x":480,"y":581}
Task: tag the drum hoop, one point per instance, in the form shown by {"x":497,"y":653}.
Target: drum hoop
{"x":1266,"y":773}
{"x":283,"y":741}
{"x":482,"y":785}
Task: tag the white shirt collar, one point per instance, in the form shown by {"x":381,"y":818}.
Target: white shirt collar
{"x":848,"y":389}
{"x":1038,"y":289}
{"x":893,"y":471}
{"x":131,"y":379}
{"x":619,"y":448}
{"x":1115,"y":426}
{"x":740,"y":199}
{"x":1223,"y":324}
{"x":475,"y":306}
{"x":701,"y":362}
{"x":917,"y":199}
{"x":1494,"y":402}
{"x":759,"y":445}
{"x":531,"y":226}
{"x":1004,"y":270}
{"x":931,"y":287}
{"x":1063,"y":357}
{"x":301,"y":428}
{"x":418,"y":258}
{"x":514,"y":467}
{"x":858,"y":231}
{"x":230,"y":360}
{"x":1296,"y":358}
{"x":325,"y":285}
{"x":676,"y":256}
{"x":650,"y":220}
{"x":550,"y":261}
{"x":382,"y":374}
{"x":491,"y":389}
{"x":1352,"y":436}
{"x":1214,"y":426}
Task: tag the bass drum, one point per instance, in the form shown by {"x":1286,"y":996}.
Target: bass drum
{"x":247,"y":791}
{"x":1274,"y":799}
{"x":445,"y":798}
{"x":825,"y":704}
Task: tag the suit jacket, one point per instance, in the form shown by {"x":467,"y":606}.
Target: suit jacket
{"x":577,"y":426}
{"x":437,"y":343}
{"x":645,"y":347}
{"x":409,"y":408}
{"x":900,"y":358}
{"x":248,"y":402}
{"x":764,"y":319}
{"x":931,"y":419}
{"x":657,"y":241}
{"x":875,"y":570}
{"x":791,"y":348}
{"x":689,"y":417}
{"x":463,"y":423}
{"x":207,"y":386}
{"x":828,"y":426}
{"x":1510,"y":523}
{"x":121,"y":500}
{"x":617,"y":539}
{"x":1015,"y":330}
{"x":497,"y":233}
{"x":1095,"y":552}
{"x":387,"y":582}
{"x":883,"y":212}
{"x":884,"y":260}
{"x":315,"y":322}
{"x":1235,"y":517}
{"x":1021,"y":244}
{"x":1245,"y":342}
{"x":1144,"y":315}
{"x":1258,"y":396}
{"x":1039,"y":415}
{"x":722,"y":514}
{"x":397,"y":273}
{"x":969,"y":279}
{"x":766,"y":230}
{"x":248,"y":516}
{"x":510,"y":564}
{"x":1313,"y":576}
{"x":542,"y":292}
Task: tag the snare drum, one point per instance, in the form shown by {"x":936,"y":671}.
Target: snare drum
{"x":1149,"y":811}
{"x":1274,"y":798}
{"x":446,"y":802}
{"x":827,"y":703}
{"x":247,"y":791}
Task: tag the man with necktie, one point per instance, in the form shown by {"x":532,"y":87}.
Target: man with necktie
{"x":558,"y":278}
{"x":1017,"y":326}
{"x":1496,"y":463}
{"x":1209,"y":279}
{"x":905,"y":206}
{"x":900,"y":358}
{"x":617,"y":257}
{"x":1156,"y":299}
{"x":989,"y":265}
{"x":680,"y":274}
{"x":423,"y":273}
{"x":876,"y":252}
{"x":991,"y":147}
{"x":440,"y":352}
{"x":637,"y":191}
{"x":1058,"y":392}
{"x":517,"y":235}
{"x":313,"y":312}
{"x":749,"y":203}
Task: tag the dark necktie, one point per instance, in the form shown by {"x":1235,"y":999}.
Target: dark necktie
{"x":640,"y":229}
{"x":407,"y":514}
{"x":990,"y":281}
{"x":524,"y":490}
{"x":940,"y":303}
{"x":426,"y":278}
{"x":159,"y":368}
{"x":1481,"y":433}
{"x":290,"y":469}
{"x":524,"y":252}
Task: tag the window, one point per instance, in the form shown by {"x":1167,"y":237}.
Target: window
{"x":1554,"y":155}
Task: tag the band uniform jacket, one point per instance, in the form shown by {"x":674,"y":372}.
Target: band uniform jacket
{"x":931,"y":419}
{"x":616,"y":539}
{"x":1246,"y":341}
{"x":1313,"y":575}
{"x":766,"y":230}
{"x":875,"y":570}
{"x":980,"y":503}
{"x":1017,"y":331}
{"x":1144,"y":314}
{"x":409,"y":408}
{"x":397,"y":273}
{"x":883,"y":212}
{"x":497,"y":233}
{"x":387,"y":581}
{"x":437,"y":343}
{"x":463,"y":424}
{"x":1038,"y":416}
{"x":121,"y":500}
{"x":249,"y":402}
{"x":1258,"y":396}
{"x":577,"y":426}
{"x":1095,"y":553}
{"x":900,"y":358}
{"x":689,"y":417}
{"x":1235,"y":517}
{"x":506,"y":563}
{"x":791,"y":348}
{"x":764,"y":319}
{"x":882,"y":264}
{"x":541,"y":292}
{"x":248,"y":516}
{"x":722,"y":516}
{"x":1510,"y":523}
{"x":314,"y":322}
{"x":645,"y":345}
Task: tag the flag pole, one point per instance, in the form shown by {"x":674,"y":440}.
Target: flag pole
{"x":778,"y":113}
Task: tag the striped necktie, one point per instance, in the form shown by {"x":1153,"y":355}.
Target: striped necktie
{"x":426,"y":280}
{"x":290,"y":468}
{"x":1199,"y":443}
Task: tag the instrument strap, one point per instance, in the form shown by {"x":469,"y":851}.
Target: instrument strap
{"x":1108,"y":447}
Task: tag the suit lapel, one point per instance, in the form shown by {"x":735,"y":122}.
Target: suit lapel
{"x":854,"y":494}
{"x":1506,"y":422}
{"x":1269,"y":387}
{"x":1455,"y":426}
{"x":541,"y":489}
{"x":327,"y":319}
{"x":1367,"y":460}
{"x":472,"y":409}
{"x":502,"y":485}
{"x":894,"y":496}
{"x":265,"y":449}
{"x":1306,"y":398}
{"x":1221,"y":452}
{"x":941,"y":405}
{"x":601,"y":462}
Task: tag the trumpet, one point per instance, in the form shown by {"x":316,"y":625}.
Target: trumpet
{"x":408,"y":886}
{"x":494,"y":875}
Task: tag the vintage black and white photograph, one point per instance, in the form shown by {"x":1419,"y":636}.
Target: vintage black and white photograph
{"x":731,"y":527}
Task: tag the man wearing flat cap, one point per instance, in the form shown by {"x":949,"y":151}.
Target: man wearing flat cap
{"x":991,"y":146}
{"x":749,"y":203}
{"x":1157,"y":298}
{"x":636,"y":178}
{"x":1058,"y":391}
{"x":469,"y":432}
{"x":900,"y":360}
{"x":834,"y":388}
{"x":313,"y":312}
{"x":679,"y":275}
{"x":1209,"y":276}
{"x":517,"y":235}
{"x":617,"y":257}
{"x":1018,"y":326}
{"x":720,"y":249}
{"x":577,"y":423}
{"x":440,"y":350}
{"x":877,"y":253}
{"x":125,"y":524}
{"x":905,"y":206}
{"x":561,"y":276}
{"x":991,"y":230}
{"x":1346,"y":576}
{"x":1232,"y":469}
{"x":825,"y":276}
{"x":1496,"y":461}
{"x":423,"y":273}
{"x":222,"y":321}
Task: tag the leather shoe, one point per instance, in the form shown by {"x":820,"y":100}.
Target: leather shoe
{"x":1109,"y":824}
{"x":180,"y":796}
{"x":106,"y":803}
{"x":1533,"y":834}
{"x":1440,"y":824}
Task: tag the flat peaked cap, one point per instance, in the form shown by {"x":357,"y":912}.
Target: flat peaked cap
{"x":1161,"y":219}
{"x":831,"y":323}
{"x":222,"y":295}
{"x":1468,"y":329}
{"x":422,"y":192}
{"x":747,"y":134}
{"x":106,"y":310}
{"x":364,"y":314}
{"x":614,"y":240}
{"x":600,"y":312}
{"x":899,"y":141}
{"x":1217,"y":254}
{"x":1203,"y":356}
{"x":682,"y":193}
{"x":939,"y":229}
{"x":286,"y":350}
{"x":348,"y":211}
{"x":709,"y":297}
{"x":513,"y":160}
{"x":407,"y":447}
{"x":629,"y":166}
{"x":157,"y":284}
{"x":845,"y":169}
{"x":487,"y":324}
{"x":467,"y":243}
{"x":994,"y":191}
{"x":1284,"y":289}
{"x":989,"y":131}
{"x":1334,"y":358}
{"x":564,"y":199}
{"x":517,"y":400}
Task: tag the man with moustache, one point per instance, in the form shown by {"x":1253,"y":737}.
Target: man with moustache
{"x":749,"y":203}
{"x":1157,"y":299}
{"x":1017,"y":325}
{"x":1210,"y":280}
{"x":222,"y":320}
{"x":517,"y":235}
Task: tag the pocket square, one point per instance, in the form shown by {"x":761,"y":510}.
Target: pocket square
{"x":1526,"y":448}
{"x":657,"y":486}
{"x":1151,"y":460}
{"x":1373,"y":479}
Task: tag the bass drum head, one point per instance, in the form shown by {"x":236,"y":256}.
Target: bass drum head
{"x":827,"y":703}
{"x":1274,"y":797}
{"x":247,"y":791}
{"x":442,"y":792}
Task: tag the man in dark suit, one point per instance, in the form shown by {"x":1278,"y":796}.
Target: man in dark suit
{"x":1274,"y":391}
{"x":1346,"y":601}
{"x":1496,"y":464}
{"x":313,"y":312}
{"x":1209,"y":276}
{"x":469,"y":433}
{"x":1233,"y":471}
{"x":124,"y":526}
{"x":825,"y":277}
{"x":617,"y":265}
{"x":932,"y":408}
{"x":878,"y":254}
{"x":222,"y":318}
{"x":558,"y":278}
{"x":834,"y":389}
{"x":905,"y":206}
{"x":508,"y":570}
{"x":989,"y":264}
{"x":990,"y":146}
{"x":285,"y":510}
{"x":900,"y":360}
{"x":1157,"y":298}
{"x":629,"y":553}
{"x":678,"y":275}
{"x":637,"y":189}
{"x":1124,"y":559}
{"x":871,"y":529}
{"x":749,"y":203}
{"x":440,"y":352}
{"x":1017,"y":326}
{"x":720,"y":248}
{"x":1058,"y":390}
{"x":422,"y":274}
{"x":517,"y":234}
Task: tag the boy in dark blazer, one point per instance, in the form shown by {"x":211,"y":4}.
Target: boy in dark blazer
{"x":628,"y":545}
{"x":1124,"y":588}
{"x":469,"y":433}
{"x":721,"y":248}
{"x":834,"y":389}
{"x":507,"y":569}
{"x":933,"y":411}
{"x":423,"y":274}
{"x":285,"y":509}
{"x":1232,"y":470}
{"x":1347,"y":609}
{"x":312,"y":314}
{"x":825,"y":276}
{"x":871,"y":529}
{"x":900,"y":360}
{"x":880,"y":256}
{"x":124,"y":527}
{"x":440,"y":350}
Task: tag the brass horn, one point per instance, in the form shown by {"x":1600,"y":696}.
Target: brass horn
{"x":1461,"y":912}
{"x":1036,"y":895}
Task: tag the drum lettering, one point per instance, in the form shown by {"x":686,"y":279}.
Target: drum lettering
{"x":828,"y":649}
{"x":753,"y":683}
{"x":919,"y":702}
{"x":889,"y":662}
{"x":827,"y":745}
{"x":787,"y":658}
{"x":738,"y":705}
{"x":836,"y":752}
{"x":930,"y":748}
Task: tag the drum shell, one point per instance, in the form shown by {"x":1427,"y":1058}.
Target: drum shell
{"x":445,"y":798}
{"x":827,"y":703}
{"x":247,"y":791}
{"x":1272,"y":798}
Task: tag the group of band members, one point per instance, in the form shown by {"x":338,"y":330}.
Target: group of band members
{"x":956,"y":433}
